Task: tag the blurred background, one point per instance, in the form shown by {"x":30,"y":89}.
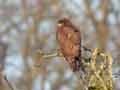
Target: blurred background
{"x":28,"y":27}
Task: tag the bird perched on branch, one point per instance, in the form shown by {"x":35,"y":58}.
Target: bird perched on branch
{"x":69,"y":40}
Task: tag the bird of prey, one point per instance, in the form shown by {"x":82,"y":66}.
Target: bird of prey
{"x":69,"y":40}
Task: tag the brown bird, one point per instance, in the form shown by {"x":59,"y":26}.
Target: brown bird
{"x":69,"y":40}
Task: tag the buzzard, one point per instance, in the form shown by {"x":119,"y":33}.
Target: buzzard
{"x":69,"y":40}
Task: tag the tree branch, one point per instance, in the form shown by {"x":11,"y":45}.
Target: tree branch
{"x":105,"y":9}
{"x":89,"y":11}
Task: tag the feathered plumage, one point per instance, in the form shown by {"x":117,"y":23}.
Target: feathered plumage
{"x":69,"y":40}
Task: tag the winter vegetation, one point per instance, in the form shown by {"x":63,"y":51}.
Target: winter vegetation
{"x":30,"y":58}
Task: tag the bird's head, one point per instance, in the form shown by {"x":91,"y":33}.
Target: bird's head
{"x":64,"y":22}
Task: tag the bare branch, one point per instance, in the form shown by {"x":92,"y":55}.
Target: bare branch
{"x":9,"y":84}
{"x":89,"y":11}
{"x":105,"y":8}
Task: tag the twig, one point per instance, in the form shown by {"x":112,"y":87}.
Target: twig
{"x":9,"y":84}
{"x":59,"y":54}
{"x":87,"y":49}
